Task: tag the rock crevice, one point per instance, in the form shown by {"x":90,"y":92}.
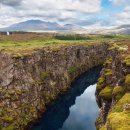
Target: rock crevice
{"x":29,"y":83}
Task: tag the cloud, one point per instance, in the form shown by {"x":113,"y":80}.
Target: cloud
{"x":63,"y":11}
{"x":120,"y":2}
{"x":123,"y":17}
{"x":74,"y":5}
{"x":88,"y":13}
{"x":11,"y":2}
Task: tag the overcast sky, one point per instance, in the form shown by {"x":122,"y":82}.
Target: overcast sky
{"x":87,"y":13}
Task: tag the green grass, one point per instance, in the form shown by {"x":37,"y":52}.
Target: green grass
{"x":25,"y":46}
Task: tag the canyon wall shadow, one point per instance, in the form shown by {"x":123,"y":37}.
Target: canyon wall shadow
{"x":58,"y":112}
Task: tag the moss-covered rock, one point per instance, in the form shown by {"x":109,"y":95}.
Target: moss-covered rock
{"x":119,"y":106}
{"x":118,"y":47}
{"x":108,"y":72}
{"x":101,"y":80}
{"x":100,"y":84}
{"x":118,"y":118}
{"x":108,"y":61}
{"x":106,"y":93}
{"x":118,"y":92}
{"x":119,"y":121}
{"x":127,"y":61}
{"x":127,"y":82}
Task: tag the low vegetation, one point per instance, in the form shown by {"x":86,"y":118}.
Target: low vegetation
{"x":26,"y":42}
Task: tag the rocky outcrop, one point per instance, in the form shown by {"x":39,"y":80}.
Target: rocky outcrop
{"x":29,"y":83}
{"x":113,"y":93}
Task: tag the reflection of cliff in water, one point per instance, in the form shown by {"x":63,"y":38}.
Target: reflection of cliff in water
{"x":55,"y":116}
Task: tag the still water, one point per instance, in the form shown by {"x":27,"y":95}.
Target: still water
{"x":75,"y":110}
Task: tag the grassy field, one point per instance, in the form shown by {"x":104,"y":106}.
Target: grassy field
{"x":27,"y":42}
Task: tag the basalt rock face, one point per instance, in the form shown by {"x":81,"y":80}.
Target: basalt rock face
{"x":113,"y":93}
{"x":29,"y":83}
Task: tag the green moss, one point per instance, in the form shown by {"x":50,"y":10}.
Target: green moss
{"x":18,"y":56}
{"x":118,"y":92}
{"x":7,"y":96}
{"x":44,"y":75}
{"x":119,"y":106}
{"x":101,"y":80}
{"x":103,"y":128}
{"x":72,"y":70}
{"x":127,"y":82}
{"x":113,"y":47}
{"x":7,"y":119}
{"x":108,"y":72}
{"x":119,"y":121}
{"x":106,"y":93}
{"x":98,"y":122}
{"x":9,"y":128}
{"x":118,"y":47}
{"x":12,"y":92}
{"x":100,"y":85}
{"x":108,"y":61}
{"x":127,"y":61}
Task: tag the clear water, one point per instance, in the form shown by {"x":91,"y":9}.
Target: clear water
{"x":84,"y":112}
{"x":75,"y":110}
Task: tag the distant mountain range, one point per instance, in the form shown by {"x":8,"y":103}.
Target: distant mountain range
{"x":123,"y":29}
{"x":38,"y":25}
{"x":41,"y":26}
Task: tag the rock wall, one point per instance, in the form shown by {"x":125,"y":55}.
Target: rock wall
{"x":29,"y":83}
{"x":113,"y":92}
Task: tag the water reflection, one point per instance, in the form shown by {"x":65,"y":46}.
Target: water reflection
{"x":82,"y":114}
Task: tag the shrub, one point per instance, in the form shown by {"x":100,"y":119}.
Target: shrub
{"x":72,"y":37}
{"x":108,"y":36}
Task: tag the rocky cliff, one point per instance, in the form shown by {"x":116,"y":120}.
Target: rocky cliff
{"x":113,"y":91}
{"x":28,"y":83}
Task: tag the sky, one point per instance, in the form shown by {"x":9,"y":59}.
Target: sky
{"x":86,"y":13}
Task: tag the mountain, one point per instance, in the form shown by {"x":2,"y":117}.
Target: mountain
{"x":126,"y":26}
{"x":38,"y":25}
{"x":123,"y":29}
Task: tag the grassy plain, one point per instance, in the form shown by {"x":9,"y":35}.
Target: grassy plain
{"x":28,"y":42}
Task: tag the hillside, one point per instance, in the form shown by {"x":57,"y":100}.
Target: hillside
{"x":38,"y":25}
